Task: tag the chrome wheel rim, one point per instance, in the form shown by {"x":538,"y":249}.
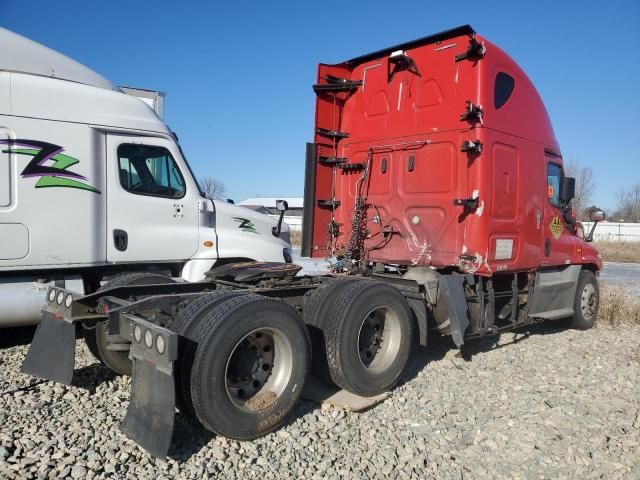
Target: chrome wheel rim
{"x":259,"y":369}
{"x":589,"y":302}
{"x":379,"y":339}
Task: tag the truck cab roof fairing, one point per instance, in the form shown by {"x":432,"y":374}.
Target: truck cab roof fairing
{"x":19,"y":54}
{"x":437,"y":37}
{"x":523,"y":113}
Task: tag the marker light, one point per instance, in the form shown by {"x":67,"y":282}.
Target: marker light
{"x":137,"y":333}
{"x":160,"y":344}
{"x":148,"y":338}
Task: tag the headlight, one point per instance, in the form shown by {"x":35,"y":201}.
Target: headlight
{"x":148,"y":338}
{"x":52,"y":295}
{"x":68,"y":300}
{"x":60,"y":298}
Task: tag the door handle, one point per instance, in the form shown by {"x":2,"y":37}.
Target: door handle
{"x":120,"y":240}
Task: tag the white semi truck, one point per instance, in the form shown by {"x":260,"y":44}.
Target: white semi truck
{"x":93,"y":185}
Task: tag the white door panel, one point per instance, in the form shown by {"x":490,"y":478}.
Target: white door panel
{"x":152,"y":201}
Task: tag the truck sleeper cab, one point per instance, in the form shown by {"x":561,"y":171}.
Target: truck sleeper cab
{"x":436,"y":184}
{"x":439,"y":153}
{"x":94,"y":184}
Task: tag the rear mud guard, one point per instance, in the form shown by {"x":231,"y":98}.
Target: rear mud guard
{"x":452,"y":288}
{"x":151,"y":412}
{"x":52,"y":351}
{"x":150,"y":416}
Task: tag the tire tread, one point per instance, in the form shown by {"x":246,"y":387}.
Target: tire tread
{"x":206,"y":330}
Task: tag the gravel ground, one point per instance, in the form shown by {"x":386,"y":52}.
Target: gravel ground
{"x":544,"y":403}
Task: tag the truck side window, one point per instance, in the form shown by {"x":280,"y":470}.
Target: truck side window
{"x":150,"y":170}
{"x":554,"y":177}
{"x":503,"y":89}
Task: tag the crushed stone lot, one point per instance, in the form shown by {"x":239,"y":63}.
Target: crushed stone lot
{"x":546,"y":402}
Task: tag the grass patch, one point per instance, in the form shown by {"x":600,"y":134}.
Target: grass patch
{"x":617,"y":307}
{"x":628,"y":252}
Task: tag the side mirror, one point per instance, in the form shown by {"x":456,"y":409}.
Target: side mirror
{"x":568,"y":189}
{"x":595,"y":215}
{"x":281,"y":206}
{"x":230,"y":200}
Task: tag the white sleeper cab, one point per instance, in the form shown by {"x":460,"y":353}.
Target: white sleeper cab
{"x":93,"y":185}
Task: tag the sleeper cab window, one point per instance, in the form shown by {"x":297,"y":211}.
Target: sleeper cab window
{"x":502,"y":90}
{"x":150,"y":170}
{"x":554,"y":178}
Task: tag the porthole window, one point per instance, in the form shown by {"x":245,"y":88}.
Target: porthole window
{"x":503,"y":89}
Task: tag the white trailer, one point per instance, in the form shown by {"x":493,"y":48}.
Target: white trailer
{"x":93,"y":184}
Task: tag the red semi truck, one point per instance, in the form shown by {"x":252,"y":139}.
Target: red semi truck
{"x":435,"y":182}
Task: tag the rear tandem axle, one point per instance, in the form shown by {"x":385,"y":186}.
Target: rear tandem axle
{"x":234,"y":352}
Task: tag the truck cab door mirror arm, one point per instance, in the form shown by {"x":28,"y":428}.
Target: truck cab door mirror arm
{"x":281,"y":206}
{"x":595,"y":215}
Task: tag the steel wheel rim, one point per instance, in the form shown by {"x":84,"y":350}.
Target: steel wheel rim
{"x":379,"y":339}
{"x":589,"y":302}
{"x":259,"y":369}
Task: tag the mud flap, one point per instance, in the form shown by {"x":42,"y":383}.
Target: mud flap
{"x":152,"y":405}
{"x":52,"y":351}
{"x":151,"y":413}
{"x":453,"y":292}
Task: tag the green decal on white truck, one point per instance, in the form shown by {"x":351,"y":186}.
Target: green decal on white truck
{"x":246,"y":225}
{"x":55,"y":174}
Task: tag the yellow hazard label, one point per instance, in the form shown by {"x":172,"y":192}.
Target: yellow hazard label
{"x":556,"y":227}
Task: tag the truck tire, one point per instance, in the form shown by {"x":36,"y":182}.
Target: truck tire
{"x":185,"y":324}
{"x":96,"y":336}
{"x":368,"y":337}
{"x":316,"y":308}
{"x":249,"y":367}
{"x":587,"y":301}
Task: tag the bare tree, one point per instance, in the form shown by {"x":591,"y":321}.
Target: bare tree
{"x":585,"y":185}
{"x":213,"y":188}
{"x":628,"y":208}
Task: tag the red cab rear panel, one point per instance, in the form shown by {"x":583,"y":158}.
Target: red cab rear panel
{"x":435,"y":186}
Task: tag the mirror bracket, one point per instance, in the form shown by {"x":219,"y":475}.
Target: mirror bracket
{"x":281,"y":206}
{"x":589,"y":237}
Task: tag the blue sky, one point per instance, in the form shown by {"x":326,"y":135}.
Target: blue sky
{"x":238,"y":74}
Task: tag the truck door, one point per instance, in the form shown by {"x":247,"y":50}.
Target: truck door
{"x":152,"y":203}
{"x":558,"y":247}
